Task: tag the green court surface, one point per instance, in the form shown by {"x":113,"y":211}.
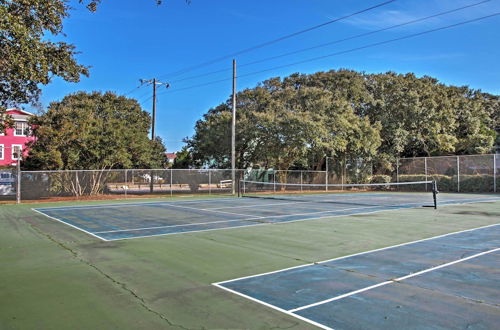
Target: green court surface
{"x":53,"y":276}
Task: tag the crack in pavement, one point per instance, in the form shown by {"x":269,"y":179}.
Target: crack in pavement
{"x":141,"y":300}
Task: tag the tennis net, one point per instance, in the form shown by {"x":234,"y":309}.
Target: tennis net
{"x":371,"y":194}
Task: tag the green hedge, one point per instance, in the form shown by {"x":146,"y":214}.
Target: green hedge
{"x":380,"y":178}
{"x":468,"y":183}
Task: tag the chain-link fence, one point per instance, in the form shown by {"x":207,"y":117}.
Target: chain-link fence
{"x":471,"y":173}
{"x":468,"y":173}
{"x":110,"y":184}
{"x":476,"y":173}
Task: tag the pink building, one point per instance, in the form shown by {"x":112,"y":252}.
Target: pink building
{"x":13,"y":140}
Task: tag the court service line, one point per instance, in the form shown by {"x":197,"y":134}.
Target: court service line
{"x":233,"y":220}
{"x":277,"y":223}
{"x":399,"y":279}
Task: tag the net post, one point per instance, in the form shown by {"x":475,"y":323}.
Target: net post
{"x":434,"y":193}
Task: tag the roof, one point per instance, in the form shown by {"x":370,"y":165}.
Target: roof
{"x":19,"y":112}
{"x":170,"y":155}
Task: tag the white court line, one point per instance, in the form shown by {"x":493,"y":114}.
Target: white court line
{"x":256,"y":224}
{"x":80,"y":229}
{"x":125,"y":204}
{"x":357,"y":254}
{"x":247,"y":219}
{"x":399,"y":279}
{"x":322,"y":326}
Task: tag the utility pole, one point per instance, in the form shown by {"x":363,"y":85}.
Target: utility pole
{"x":153,"y":82}
{"x":233,"y":132}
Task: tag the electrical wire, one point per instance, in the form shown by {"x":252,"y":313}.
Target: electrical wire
{"x":334,"y":42}
{"x":341,"y":52}
{"x":268,"y":43}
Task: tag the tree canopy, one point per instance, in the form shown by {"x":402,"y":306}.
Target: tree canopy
{"x":94,"y":131}
{"x":297,"y":121}
{"x":28,"y":58}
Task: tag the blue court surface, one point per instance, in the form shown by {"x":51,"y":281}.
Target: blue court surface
{"x":450,"y":281}
{"x":133,"y":220}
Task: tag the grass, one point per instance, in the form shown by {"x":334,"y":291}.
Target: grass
{"x":55,"y":277}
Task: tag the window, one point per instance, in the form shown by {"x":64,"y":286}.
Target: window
{"x":1,"y":151}
{"x":21,"y":128}
{"x":16,"y":151}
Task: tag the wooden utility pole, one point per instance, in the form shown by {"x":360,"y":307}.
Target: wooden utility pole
{"x":233,"y":132}
{"x":153,"y":82}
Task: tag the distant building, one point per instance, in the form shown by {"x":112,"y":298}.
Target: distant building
{"x":13,"y":141}
{"x":170,"y":157}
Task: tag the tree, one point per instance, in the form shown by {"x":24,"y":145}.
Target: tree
{"x":28,"y":58}
{"x":93,"y":131}
{"x":356,"y":118}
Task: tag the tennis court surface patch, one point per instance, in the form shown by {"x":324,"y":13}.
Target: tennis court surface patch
{"x":448,"y":282}
{"x":134,"y":220}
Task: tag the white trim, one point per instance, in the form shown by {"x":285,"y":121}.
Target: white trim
{"x":80,"y":229}
{"x":13,"y":148}
{"x":399,"y":279}
{"x":357,"y":254}
{"x":19,"y":110}
{"x":24,"y":128}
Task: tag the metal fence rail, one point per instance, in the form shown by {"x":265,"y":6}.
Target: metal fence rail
{"x":470,"y":173}
{"x":475,"y":173}
{"x":123,"y":183}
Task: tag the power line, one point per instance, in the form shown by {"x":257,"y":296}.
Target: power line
{"x":335,"y":41}
{"x":132,"y":90}
{"x":268,"y":43}
{"x":344,"y":51}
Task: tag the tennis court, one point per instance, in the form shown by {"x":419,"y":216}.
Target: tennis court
{"x":273,"y":205}
{"x":446,"y":282}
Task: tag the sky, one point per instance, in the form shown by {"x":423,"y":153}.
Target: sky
{"x":128,"y":40}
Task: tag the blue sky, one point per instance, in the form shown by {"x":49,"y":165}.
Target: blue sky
{"x":127,"y":40}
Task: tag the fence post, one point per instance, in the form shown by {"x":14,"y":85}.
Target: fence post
{"x":326,"y":175}
{"x":458,"y":174}
{"x":425,"y":170}
{"x":301,"y":179}
{"x":18,"y":183}
{"x":274,"y":181}
{"x":494,"y":173}
{"x":210,"y":182}
{"x":171,"y":177}
{"x":397,"y":169}
{"x":125,"y":187}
